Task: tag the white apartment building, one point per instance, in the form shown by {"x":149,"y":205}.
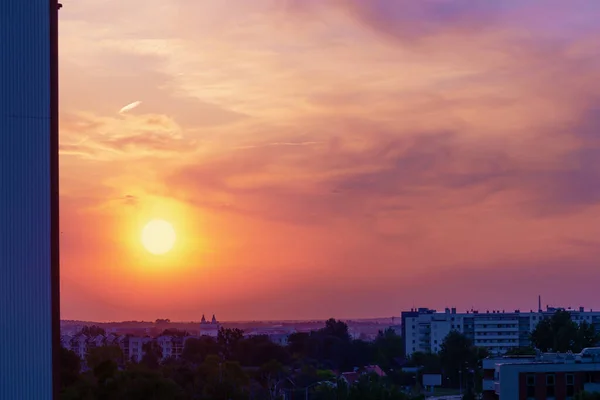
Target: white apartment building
{"x":172,"y":346}
{"x":424,"y":329}
{"x":132,"y":346}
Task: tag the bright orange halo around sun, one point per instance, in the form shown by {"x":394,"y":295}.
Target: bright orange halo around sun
{"x":158,"y":237}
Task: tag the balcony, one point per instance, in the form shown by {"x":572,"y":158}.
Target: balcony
{"x":492,"y":328}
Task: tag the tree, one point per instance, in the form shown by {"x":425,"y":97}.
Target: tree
{"x":174,"y":332}
{"x":521,"y":351}
{"x":469,"y":395}
{"x":429,"y":362}
{"x":258,"y":350}
{"x":83,"y":389}
{"x":221,"y":379}
{"x":152,"y":355}
{"x":181,"y":372}
{"x":387,"y":346}
{"x":270,"y":376}
{"x":559,"y":333}
{"x":139,"y":384}
{"x":458,"y":357}
{"x":298,"y":344}
{"x":70,"y":365}
{"x":102,"y":354}
{"x":587,"y":396}
{"x":563,"y":331}
{"x":372,"y":387}
{"x":92,"y":330}
{"x":196,"y":350}
{"x":228,"y":340}
{"x":335,"y":328}
{"x":586,"y":336}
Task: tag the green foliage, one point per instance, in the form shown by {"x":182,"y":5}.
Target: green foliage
{"x":521,"y":351}
{"x":92,"y":330}
{"x":469,"y":395}
{"x":336,"y":329}
{"x":429,"y":362}
{"x":460,"y":360}
{"x":229,"y":340}
{"x":587,"y":396}
{"x":387,"y":346}
{"x":174,"y":332}
{"x":586,"y":336}
{"x":258,"y":350}
{"x":152,"y":355}
{"x":235,"y":367}
{"x":197,"y":349}
{"x":141,"y":385}
{"x":559,"y":333}
{"x":70,"y":365}
{"x":99,"y":356}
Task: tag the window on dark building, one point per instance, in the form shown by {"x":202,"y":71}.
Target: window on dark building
{"x":570,"y":379}
{"x":530,"y":386}
{"x":550,"y":386}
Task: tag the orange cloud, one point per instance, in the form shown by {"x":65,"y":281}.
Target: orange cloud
{"x":352,"y":148}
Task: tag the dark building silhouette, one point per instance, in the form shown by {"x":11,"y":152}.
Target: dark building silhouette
{"x":29,"y":231}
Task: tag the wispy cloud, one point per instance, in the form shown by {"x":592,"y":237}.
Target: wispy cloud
{"x":130,"y":107}
{"x":354,"y":139}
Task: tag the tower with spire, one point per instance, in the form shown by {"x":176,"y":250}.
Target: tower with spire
{"x":209,"y":328}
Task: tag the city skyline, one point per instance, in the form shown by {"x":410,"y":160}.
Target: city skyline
{"x":322,"y":159}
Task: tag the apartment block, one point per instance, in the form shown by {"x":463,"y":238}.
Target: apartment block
{"x":424,"y":329}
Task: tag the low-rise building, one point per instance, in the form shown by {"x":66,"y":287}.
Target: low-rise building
{"x":544,"y":376}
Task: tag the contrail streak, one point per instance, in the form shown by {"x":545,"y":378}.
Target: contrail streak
{"x":129,"y":107}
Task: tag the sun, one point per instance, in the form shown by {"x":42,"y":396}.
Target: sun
{"x":158,"y":237}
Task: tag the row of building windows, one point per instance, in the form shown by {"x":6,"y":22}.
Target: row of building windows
{"x":550,"y":386}
{"x":497,"y":334}
{"x":478,"y":341}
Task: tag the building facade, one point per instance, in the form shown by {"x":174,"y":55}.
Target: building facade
{"x":545,"y":376}
{"x":424,"y":329}
{"x":29,"y":284}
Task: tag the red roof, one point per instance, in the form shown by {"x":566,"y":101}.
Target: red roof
{"x":376,"y":369}
{"x":350,"y":377}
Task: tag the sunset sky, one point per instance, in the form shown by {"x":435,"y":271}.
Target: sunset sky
{"x":328,"y":158}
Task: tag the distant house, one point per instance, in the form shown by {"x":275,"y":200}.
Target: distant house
{"x":375,"y":369}
{"x":352,"y":377}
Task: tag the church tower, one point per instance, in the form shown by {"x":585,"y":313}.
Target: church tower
{"x":209,"y":328}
